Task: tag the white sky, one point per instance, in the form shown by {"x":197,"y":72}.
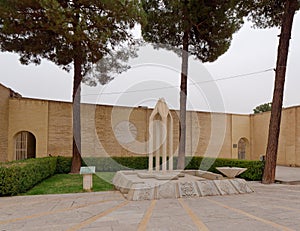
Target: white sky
{"x":252,"y":50}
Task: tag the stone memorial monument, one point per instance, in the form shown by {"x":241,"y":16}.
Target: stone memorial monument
{"x":161,"y":181}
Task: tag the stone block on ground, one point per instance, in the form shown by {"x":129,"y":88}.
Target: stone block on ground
{"x":208,"y":188}
{"x":167,"y":191}
{"x":187,"y":189}
{"x":225,"y":187}
{"x":241,"y":186}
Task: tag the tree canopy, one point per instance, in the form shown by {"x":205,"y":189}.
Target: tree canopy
{"x":210,"y":25}
{"x":262,"y":108}
{"x":265,"y":13}
{"x":59,"y":30}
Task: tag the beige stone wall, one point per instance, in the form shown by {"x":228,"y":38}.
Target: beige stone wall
{"x":297,"y":136}
{"x":241,"y":127}
{"x":289,"y":139}
{"x":104,"y":131}
{"x":208,"y":134}
{"x":203,"y":127}
{"x":99,"y":124}
{"x":259,"y":134}
{"x":214,"y":139}
{"x":175,"y":116}
{"x":90,"y":146}
{"x":60,"y":130}
{"x":286,"y":149}
{"x":225,"y":123}
{"x":4,"y":97}
{"x":193,"y":138}
{"x":32,"y":116}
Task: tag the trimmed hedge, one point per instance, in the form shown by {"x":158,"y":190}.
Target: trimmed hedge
{"x":254,"y":168}
{"x":106,"y":164}
{"x":63,"y":165}
{"x":113,"y":164}
{"x":19,"y":176}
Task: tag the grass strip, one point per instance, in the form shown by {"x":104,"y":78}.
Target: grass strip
{"x":71,"y":183}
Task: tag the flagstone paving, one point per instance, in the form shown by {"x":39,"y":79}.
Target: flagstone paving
{"x":270,"y":207}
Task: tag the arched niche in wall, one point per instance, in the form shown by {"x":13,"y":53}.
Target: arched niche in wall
{"x":25,"y":145}
{"x":243,"y":148}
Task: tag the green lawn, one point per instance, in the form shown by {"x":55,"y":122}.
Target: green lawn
{"x":71,"y":183}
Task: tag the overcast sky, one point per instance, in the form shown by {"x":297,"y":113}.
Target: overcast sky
{"x":156,"y":74}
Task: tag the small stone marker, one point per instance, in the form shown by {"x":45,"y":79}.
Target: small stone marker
{"x":87,"y":173}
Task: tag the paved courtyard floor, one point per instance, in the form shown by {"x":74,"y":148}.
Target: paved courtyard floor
{"x":288,"y":175}
{"x":270,"y":207}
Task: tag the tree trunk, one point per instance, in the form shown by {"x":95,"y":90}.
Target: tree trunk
{"x":183,"y":96}
{"x":76,"y":157}
{"x":274,"y":127}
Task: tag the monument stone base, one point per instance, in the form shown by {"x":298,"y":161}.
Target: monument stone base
{"x":144,"y":185}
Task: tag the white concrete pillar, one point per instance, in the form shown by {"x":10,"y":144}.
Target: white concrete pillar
{"x":164,"y":134}
{"x":157,"y":146}
{"x":170,"y":142}
{"x":150,"y":148}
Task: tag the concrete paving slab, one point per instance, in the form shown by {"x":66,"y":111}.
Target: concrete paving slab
{"x":287,"y":175}
{"x":270,"y":207}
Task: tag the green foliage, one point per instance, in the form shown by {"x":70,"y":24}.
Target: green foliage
{"x":103,"y":164}
{"x":210,"y":25}
{"x":71,"y":183}
{"x":112,"y":64}
{"x":133,"y":162}
{"x":263,"y":108}
{"x":266,"y":13}
{"x":254,"y":168}
{"x":63,"y":164}
{"x":62,"y":30}
{"x":19,"y":176}
{"x":113,"y":164}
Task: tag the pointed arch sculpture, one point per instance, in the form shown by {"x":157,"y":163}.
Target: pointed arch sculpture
{"x":161,"y":136}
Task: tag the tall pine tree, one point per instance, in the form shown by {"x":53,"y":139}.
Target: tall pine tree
{"x":202,"y":29}
{"x":67,"y":32}
{"x":275,"y":13}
